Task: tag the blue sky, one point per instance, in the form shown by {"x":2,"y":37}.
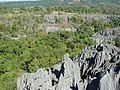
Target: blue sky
{"x":17,"y":0}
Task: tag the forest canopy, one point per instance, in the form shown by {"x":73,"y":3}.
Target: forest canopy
{"x":25,"y":45}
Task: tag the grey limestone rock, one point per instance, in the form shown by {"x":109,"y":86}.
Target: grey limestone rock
{"x":97,"y":67}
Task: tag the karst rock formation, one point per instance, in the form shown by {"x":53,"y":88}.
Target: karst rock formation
{"x":95,"y":68}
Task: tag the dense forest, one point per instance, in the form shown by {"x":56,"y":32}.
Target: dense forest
{"x":25,"y":46}
{"x":58,"y":3}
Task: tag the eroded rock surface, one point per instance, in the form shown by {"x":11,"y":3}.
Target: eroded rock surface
{"x":107,"y":35}
{"x":95,"y":68}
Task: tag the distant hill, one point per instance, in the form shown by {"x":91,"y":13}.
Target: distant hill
{"x":103,"y":1}
{"x":56,"y":2}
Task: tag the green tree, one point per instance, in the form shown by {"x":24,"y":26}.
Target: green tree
{"x":117,"y":41}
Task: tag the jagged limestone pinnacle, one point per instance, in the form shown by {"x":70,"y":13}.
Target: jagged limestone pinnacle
{"x":94,"y":70}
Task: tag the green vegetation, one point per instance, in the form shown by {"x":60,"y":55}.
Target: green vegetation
{"x":115,"y":22}
{"x":98,"y":9}
{"x":117,"y":41}
{"x":21,"y":4}
{"x":39,"y":49}
{"x":25,"y":46}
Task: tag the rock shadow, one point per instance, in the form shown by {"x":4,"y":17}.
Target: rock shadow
{"x":74,"y":87}
{"x":94,"y":85}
